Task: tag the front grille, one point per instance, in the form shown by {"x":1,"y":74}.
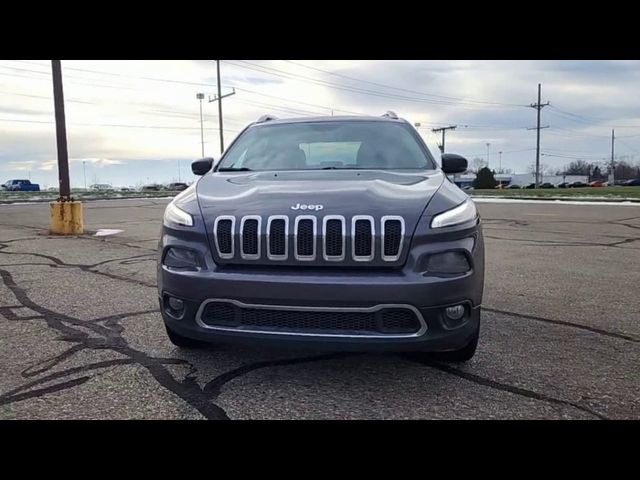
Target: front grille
{"x":332,"y":238}
{"x":250,"y":234}
{"x":277,"y":231}
{"x":224,"y":236}
{"x":305,"y":242}
{"x":392,"y":234}
{"x":363,"y":237}
{"x":374,"y":322}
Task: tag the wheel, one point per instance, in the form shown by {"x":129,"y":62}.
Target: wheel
{"x":465,"y":354}
{"x":183,"y":342}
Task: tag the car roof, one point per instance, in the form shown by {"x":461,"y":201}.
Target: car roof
{"x":329,"y":118}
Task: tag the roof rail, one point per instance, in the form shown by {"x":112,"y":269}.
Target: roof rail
{"x":266,"y":118}
{"x":391,"y":114}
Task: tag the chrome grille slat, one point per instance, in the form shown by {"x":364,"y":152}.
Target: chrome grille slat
{"x":359,"y":239}
{"x":250,"y":241}
{"x":332,"y":242}
{"x":276,"y":237}
{"x":393,"y":238}
{"x":220,"y":235}
{"x":302,"y":237}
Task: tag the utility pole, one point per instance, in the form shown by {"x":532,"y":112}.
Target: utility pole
{"x":61,"y":133}
{"x":500,"y":162}
{"x":65,"y":215}
{"x":538,"y":106}
{"x":218,"y":98}
{"x":488,"y":145}
{"x":612,"y":176}
{"x":200,"y":96}
{"x":443,"y":130}
{"x":84,"y":173}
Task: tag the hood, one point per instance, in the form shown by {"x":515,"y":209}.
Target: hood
{"x":318,"y":192}
{"x":349,"y":192}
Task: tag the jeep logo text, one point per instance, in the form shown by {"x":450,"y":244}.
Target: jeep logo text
{"x":298,"y":206}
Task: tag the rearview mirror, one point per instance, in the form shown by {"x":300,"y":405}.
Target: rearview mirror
{"x":201,"y":166}
{"x":452,"y":163}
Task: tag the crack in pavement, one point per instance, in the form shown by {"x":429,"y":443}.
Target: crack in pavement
{"x":579,"y":326}
{"x":504,"y":387}
{"x":109,"y":339}
{"x":214,"y":386}
{"x":560,"y":243}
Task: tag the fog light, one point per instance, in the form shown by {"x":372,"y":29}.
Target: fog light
{"x":173,"y":306}
{"x":176,"y":304}
{"x":454,"y":313}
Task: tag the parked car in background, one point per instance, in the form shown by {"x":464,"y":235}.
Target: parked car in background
{"x":531,"y":185}
{"x":154,"y":187}
{"x":21,"y":186}
{"x":547,"y":185}
{"x":100,"y":187}
{"x":564,"y":185}
{"x":513,"y":186}
{"x":177,"y":186}
{"x":596,"y":183}
{"x":578,"y":185}
{"x":634,"y":182}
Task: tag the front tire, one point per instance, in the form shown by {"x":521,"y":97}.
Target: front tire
{"x":183,"y":342}
{"x":465,"y":354}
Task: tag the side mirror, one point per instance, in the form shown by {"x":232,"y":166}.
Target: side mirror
{"x":201,"y":166}
{"x":452,"y":163}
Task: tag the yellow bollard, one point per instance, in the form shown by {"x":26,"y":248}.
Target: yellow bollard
{"x":66,"y":218}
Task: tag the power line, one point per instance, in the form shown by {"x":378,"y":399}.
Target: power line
{"x":108,"y":125}
{"x":404,"y":89}
{"x":288,"y":75}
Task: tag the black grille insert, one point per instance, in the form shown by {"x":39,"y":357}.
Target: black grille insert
{"x":362,"y":238}
{"x":223,"y":234}
{"x":384,"y":321}
{"x":250,"y":237}
{"x":392,"y":237}
{"x":305,"y":238}
{"x":333,"y":238}
{"x":277,"y":237}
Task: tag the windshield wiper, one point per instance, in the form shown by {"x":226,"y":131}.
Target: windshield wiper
{"x":233,"y":169}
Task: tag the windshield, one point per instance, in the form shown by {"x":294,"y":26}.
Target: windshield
{"x":328,"y":145}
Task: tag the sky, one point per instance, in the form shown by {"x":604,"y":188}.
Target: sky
{"x":133,"y":122}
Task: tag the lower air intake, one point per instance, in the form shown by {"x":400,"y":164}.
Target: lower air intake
{"x":386,"y":321}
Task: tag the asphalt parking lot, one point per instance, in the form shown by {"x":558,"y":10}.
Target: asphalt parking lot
{"x":81,"y":338}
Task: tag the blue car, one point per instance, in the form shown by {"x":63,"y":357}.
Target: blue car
{"x":21,"y":186}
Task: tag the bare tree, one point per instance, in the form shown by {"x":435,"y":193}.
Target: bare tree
{"x":476,"y":165}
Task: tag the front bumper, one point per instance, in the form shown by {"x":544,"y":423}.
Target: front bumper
{"x":325,"y":289}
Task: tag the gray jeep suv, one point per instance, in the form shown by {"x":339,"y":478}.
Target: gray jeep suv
{"x":330,"y":231}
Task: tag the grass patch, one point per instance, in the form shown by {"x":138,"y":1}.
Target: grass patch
{"x":16,"y":197}
{"x":605,"y":193}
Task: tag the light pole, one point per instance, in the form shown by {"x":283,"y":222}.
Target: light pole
{"x":488,"y":145}
{"x":84,"y":173}
{"x":200,"y":96}
{"x":500,"y":164}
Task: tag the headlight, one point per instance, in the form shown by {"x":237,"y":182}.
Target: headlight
{"x":174,"y":216}
{"x":463,"y":213}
